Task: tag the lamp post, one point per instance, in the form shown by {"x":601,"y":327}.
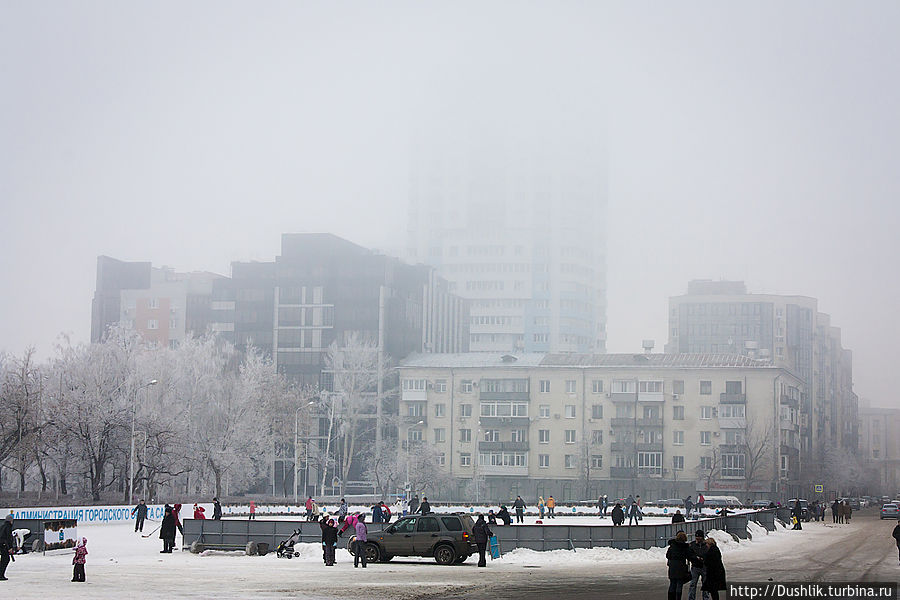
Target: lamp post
{"x":408,"y":488}
{"x":131,"y":463}
{"x":296,"y":439}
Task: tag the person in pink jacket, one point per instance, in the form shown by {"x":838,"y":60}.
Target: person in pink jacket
{"x":79,"y":560}
{"x":349,"y":523}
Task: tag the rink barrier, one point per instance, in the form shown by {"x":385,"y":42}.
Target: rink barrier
{"x":236,"y":533}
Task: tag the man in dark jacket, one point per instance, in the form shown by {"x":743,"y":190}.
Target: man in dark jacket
{"x":618,"y":515}
{"x":504,"y":516}
{"x":482,"y":533}
{"x":699,"y":547}
{"x":678,"y":556}
{"x":7,"y":544}
{"x":376,"y":513}
{"x":897,"y":536}
{"x":677,"y":517}
{"x":414,"y":505}
{"x":688,"y":507}
{"x":797,"y":513}
{"x":139,"y":513}
{"x":424,"y":508}
{"x":634,"y":514}
{"x":217,"y":510}
{"x":835,"y":509}
{"x":520,"y":507}
{"x":167,"y":531}
{"x":329,"y":541}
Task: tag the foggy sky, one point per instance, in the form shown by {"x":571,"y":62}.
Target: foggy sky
{"x":753,"y":141}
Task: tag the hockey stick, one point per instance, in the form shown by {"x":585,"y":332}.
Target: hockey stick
{"x":152,"y":532}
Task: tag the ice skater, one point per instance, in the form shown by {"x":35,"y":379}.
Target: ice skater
{"x":139,"y":513}
{"x":79,"y":559}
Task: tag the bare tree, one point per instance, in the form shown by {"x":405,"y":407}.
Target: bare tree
{"x":758,"y":448}
{"x":713,"y":467}
{"x":426,"y":471}
{"x":386,"y":468}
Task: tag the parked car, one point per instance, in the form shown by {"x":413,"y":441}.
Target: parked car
{"x":446,"y":537}
{"x":804,"y":507}
{"x":667,"y":502}
{"x":761,"y":504}
{"x":890,"y":511}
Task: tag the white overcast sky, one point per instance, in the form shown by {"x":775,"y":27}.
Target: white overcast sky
{"x":747,"y":140}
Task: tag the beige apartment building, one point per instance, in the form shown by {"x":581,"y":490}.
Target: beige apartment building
{"x":879,"y":449}
{"x":575,"y":426}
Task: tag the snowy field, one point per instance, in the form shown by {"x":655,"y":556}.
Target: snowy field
{"x":123,"y":564}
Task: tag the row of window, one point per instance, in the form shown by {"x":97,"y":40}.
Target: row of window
{"x":570,"y":411}
{"x":520,"y":459}
{"x":732,"y":437}
{"x":619,"y":386}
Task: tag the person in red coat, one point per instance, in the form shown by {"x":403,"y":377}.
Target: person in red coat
{"x":198,"y":512}
{"x":79,"y":560}
{"x":176,"y":512}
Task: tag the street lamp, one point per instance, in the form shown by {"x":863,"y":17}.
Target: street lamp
{"x":296,"y":439}
{"x":408,"y":427}
{"x":131,"y":464}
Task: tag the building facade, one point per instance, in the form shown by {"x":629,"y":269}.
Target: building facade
{"x":879,"y":449}
{"x":722,"y":317}
{"x":578,"y":425}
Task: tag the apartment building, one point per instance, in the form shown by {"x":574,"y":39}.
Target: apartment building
{"x":578,"y":425}
{"x":879,"y":448}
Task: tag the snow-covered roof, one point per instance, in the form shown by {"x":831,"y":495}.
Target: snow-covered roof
{"x":535,"y":359}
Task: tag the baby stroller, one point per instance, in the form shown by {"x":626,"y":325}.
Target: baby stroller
{"x":286,"y":548}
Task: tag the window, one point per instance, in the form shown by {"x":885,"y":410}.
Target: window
{"x":440,"y":386}
{"x":440,"y":435}
{"x":153,"y":303}
{"x":705,"y":438}
{"x":415,"y":409}
{"x":465,"y":435}
{"x":544,"y":411}
{"x":570,"y":386}
{"x":452,"y":523}
{"x":733,"y":465}
{"x":650,"y":387}
{"x":570,"y":436}
{"x":442,"y":459}
{"x":733,"y":437}
{"x":427,"y":524}
{"x":465,"y":410}
{"x":492,"y":435}
{"x":570,"y":461}
{"x":678,"y":438}
{"x":173,"y":323}
{"x":414,"y":385}
{"x":466,"y":386}
{"x":570,"y":411}
{"x":678,"y":413}
{"x":440,"y":410}
{"x":597,"y":386}
{"x":678,"y":463}
{"x":785,"y":465}
{"x":623,"y":386}
{"x":597,"y":437}
{"x":543,"y":436}
{"x":650,"y":463}
{"x":596,"y":461}
{"x":706,"y":412}
{"x":734,"y":387}
{"x":706,"y":388}
{"x":414,"y":435}
{"x":519,"y":435}
{"x":732,"y":410}
{"x":465,"y":459}
{"x":545,"y":386}
{"x":596,"y":411}
{"x":544,"y":461}
{"x":152,"y":324}
{"x":678,"y":386}
{"x":706,"y":462}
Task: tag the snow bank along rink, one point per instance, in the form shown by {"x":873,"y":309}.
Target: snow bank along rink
{"x":123,"y":564}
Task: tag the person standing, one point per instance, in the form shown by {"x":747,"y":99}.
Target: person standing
{"x":414,"y":505}
{"x":167,"y":531}
{"x":541,"y":506}
{"x":701,"y":502}
{"x":342,"y":509}
{"x":139,"y":513}
{"x":714,"y":578}
{"x":482,"y":533}
{"x":896,"y":535}
{"x":835,"y":509}
{"x":688,"y":507}
{"x":797,"y":514}
{"x":848,"y":511}
{"x":678,"y":518}
{"x":504,"y":516}
{"x":7,"y":545}
{"x":361,"y":539}
{"x":520,"y":507}
{"x":551,"y":508}
{"x":252,"y":510}
{"x":309,"y":503}
{"x":618,"y":515}
{"x":176,"y":512}
{"x":600,"y":506}
{"x":217,"y":510}
{"x":634,"y":514}
{"x":425,"y":507}
{"x":605,"y":504}
{"x":329,"y":541}
{"x":678,"y":556}
{"x":699,"y":547}
{"x":628,"y":502}
{"x":385,"y":512}
{"x":376,"y":513}
{"x":79,"y":559}
{"x":199,"y":512}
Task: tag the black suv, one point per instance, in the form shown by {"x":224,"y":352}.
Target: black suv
{"x":446,"y":537}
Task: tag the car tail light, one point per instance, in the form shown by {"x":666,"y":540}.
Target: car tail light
{"x":465,"y":535}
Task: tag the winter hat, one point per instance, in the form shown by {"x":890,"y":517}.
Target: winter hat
{"x":699,"y":533}
{"x":9,"y":517}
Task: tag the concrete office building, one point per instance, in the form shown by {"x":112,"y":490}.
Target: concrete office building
{"x":516,"y":223}
{"x":578,"y":425}
{"x":722,"y":317}
{"x":879,"y":449}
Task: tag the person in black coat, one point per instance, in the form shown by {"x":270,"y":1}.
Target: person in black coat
{"x":167,"y":531}
{"x":835,"y":509}
{"x":425,"y":507}
{"x":896,"y":535}
{"x":414,"y":505}
{"x":714,"y":578}
{"x":217,"y":510}
{"x":699,"y":547}
{"x":504,"y":516}
{"x":7,"y":545}
{"x":678,"y":556}
{"x":482,"y":533}
{"x":329,"y":541}
{"x":520,"y":507}
{"x":139,"y":513}
{"x":677,"y":517}
{"x":618,"y":515}
{"x":492,"y":518}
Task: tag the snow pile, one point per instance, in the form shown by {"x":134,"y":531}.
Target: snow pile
{"x":724,"y":540}
{"x":756,"y":530}
{"x":524,"y":556}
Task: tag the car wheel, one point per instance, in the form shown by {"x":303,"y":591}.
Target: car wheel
{"x":373,"y":554}
{"x":444,"y":554}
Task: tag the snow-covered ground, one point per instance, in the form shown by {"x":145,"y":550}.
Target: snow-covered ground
{"x":122,"y":563}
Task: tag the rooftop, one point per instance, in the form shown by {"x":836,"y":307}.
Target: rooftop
{"x":496,"y":359}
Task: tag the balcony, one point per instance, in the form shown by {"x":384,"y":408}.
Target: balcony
{"x":732,"y":422}
{"x":788,"y":401}
{"x":623,"y":396}
{"x":732,"y":448}
{"x":503,"y":446}
{"x":499,"y":421}
{"x":650,"y":422}
{"x":413,"y":420}
{"x":622,"y":472}
{"x":650,"y":471}
{"x":621,"y":422}
{"x":651,"y":397}
{"x":726,"y":398}
{"x":501,"y":470}
{"x":621,"y":447}
{"x":414,"y":396}
{"x":504,"y":396}
{"x":649,"y":447}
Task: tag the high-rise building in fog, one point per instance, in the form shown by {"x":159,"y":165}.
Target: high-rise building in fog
{"x":514,"y":219}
